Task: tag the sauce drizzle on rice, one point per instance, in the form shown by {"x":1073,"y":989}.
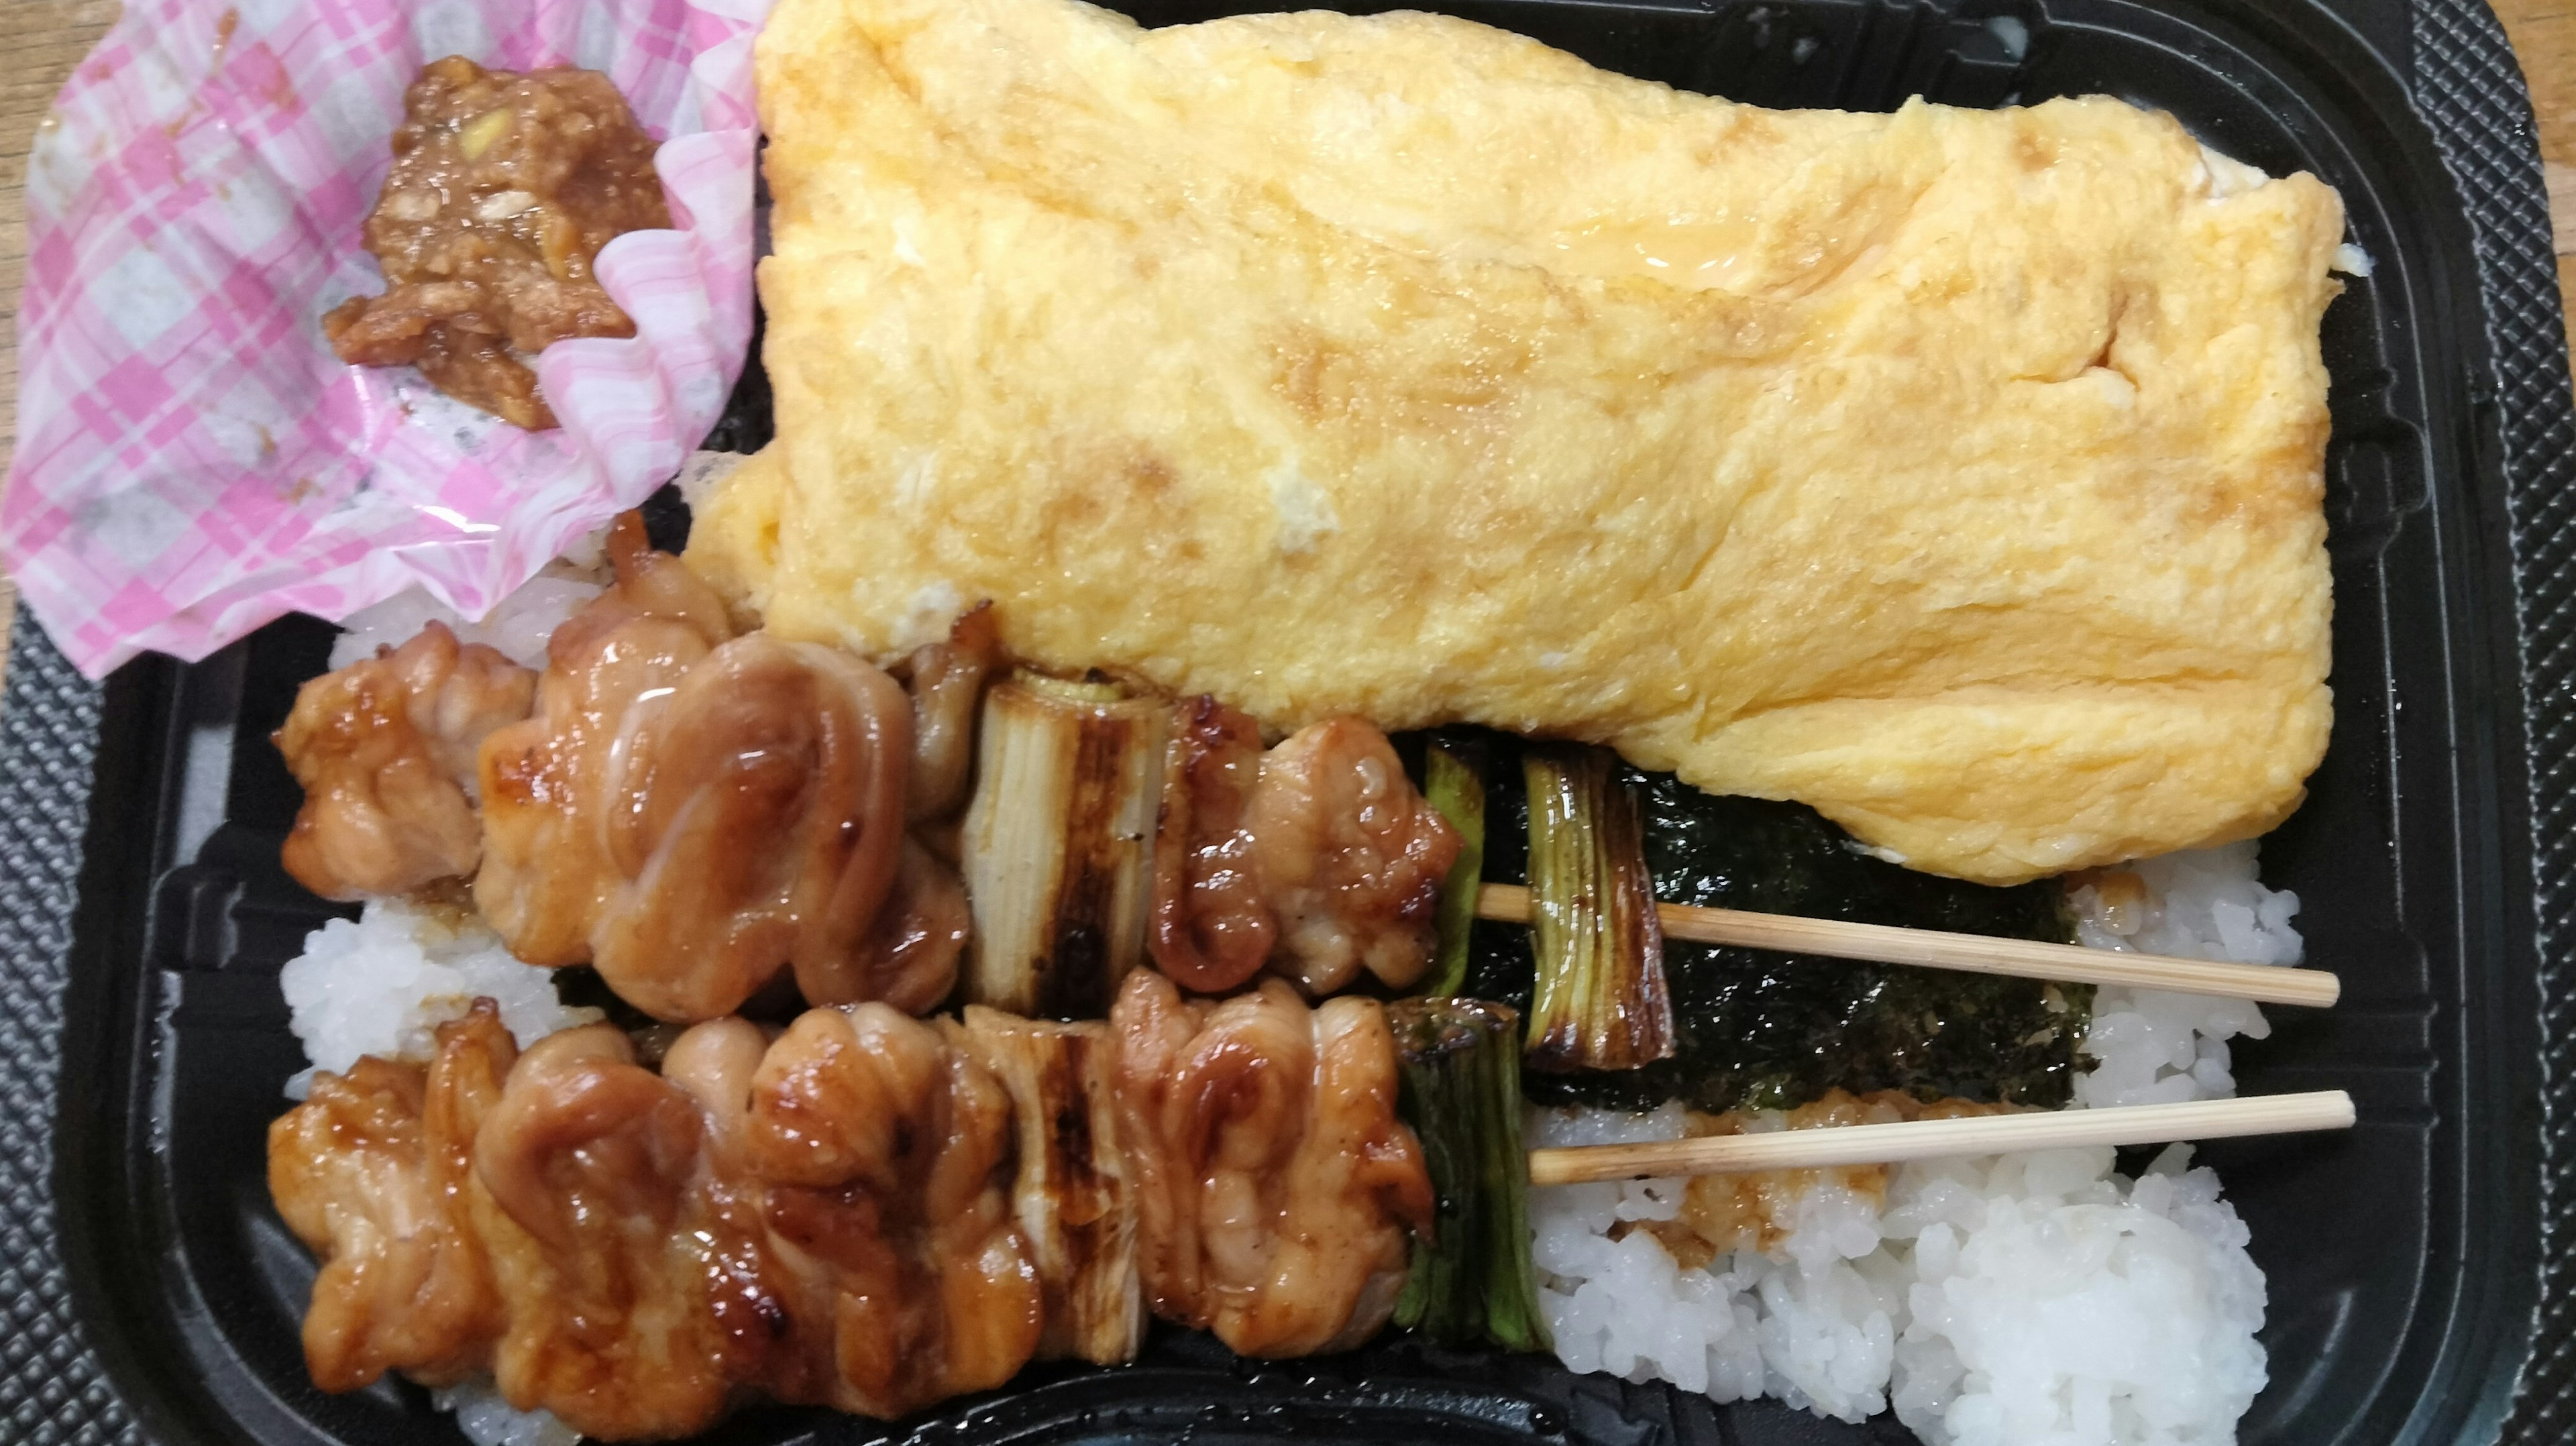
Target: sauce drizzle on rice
{"x":1722,"y":1214}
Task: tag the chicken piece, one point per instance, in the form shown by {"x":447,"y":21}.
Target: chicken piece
{"x":885,"y":1152}
{"x":603,"y":1239}
{"x":947,"y":691}
{"x":909,"y":956}
{"x":385,"y":751}
{"x":753,"y":813}
{"x":716,"y":1064}
{"x":546,"y":874}
{"x":1213,"y":926}
{"x":1318,"y":857}
{"x":1274,"y":1185}
{"x":1351,"y":857}
{"x":1070,"y":1191}
{"x":372,"y":1173}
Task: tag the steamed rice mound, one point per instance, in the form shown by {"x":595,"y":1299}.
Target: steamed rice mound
{"x":2018,"y":1298}
{"x":2151,"y":1047}
{"x":383,"y":984}
{"x":2118,"y":1311}
{"x":519,"y":626}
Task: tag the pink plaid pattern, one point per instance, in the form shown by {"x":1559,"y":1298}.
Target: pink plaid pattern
{"x":193,"y":461}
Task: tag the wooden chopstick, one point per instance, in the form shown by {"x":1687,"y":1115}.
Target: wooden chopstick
{"x":1967,"y":953}
{"x":1945,"y":1139}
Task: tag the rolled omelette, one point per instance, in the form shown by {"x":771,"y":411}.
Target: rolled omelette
{"x":1958,"y":473}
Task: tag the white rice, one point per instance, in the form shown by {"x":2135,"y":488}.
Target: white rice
{"x":488,"y":1420}
{"x":384,"y":984}
{"x":2033,"y":1298}
{"x":2038,"y":1297}
{"x":518,"y":626}
{"x":2152,"y":1047}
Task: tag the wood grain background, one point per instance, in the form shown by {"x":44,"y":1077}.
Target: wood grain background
{"x":2544,"y":37}
{"x":42,"y":40}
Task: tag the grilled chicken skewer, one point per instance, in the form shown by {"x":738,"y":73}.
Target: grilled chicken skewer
{"x":874,"y":1213}
{"x":869,"y":1211}
{"x":698,"y":814}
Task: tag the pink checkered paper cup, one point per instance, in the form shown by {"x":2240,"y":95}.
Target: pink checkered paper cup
{"x":193,"y":461}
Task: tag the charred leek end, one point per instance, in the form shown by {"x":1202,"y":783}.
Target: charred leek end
{"x":1454,"y":780}
{"x":1069,"y":1193}
{"x":1471,"y":1282}
{"x":1600,"y":1002}
{"x":1058,"y":844}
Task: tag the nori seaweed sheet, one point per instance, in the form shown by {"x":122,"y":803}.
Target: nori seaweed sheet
{"x":1759,"y":1029}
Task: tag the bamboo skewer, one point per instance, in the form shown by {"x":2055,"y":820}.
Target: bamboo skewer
{"x":1945,"y":1139}
{"x":1966,"y":953}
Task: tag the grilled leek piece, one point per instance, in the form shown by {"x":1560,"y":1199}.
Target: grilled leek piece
{"x":1058,"y":843}
{"x":1071,"y":1195}
{"x":1453,"y":780}
{"x":1471,"y":1281}
{"x":1601,"y":1001}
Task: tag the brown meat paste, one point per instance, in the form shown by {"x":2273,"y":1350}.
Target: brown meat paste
{"x":504,"y":187}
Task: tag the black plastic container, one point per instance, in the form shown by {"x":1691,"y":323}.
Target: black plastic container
{"x":2405,"y":1260}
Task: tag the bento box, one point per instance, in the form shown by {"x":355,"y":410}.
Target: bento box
{"x":2418,"y":1266}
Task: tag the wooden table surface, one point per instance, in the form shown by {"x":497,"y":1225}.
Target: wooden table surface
{"x":44,"y":39}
